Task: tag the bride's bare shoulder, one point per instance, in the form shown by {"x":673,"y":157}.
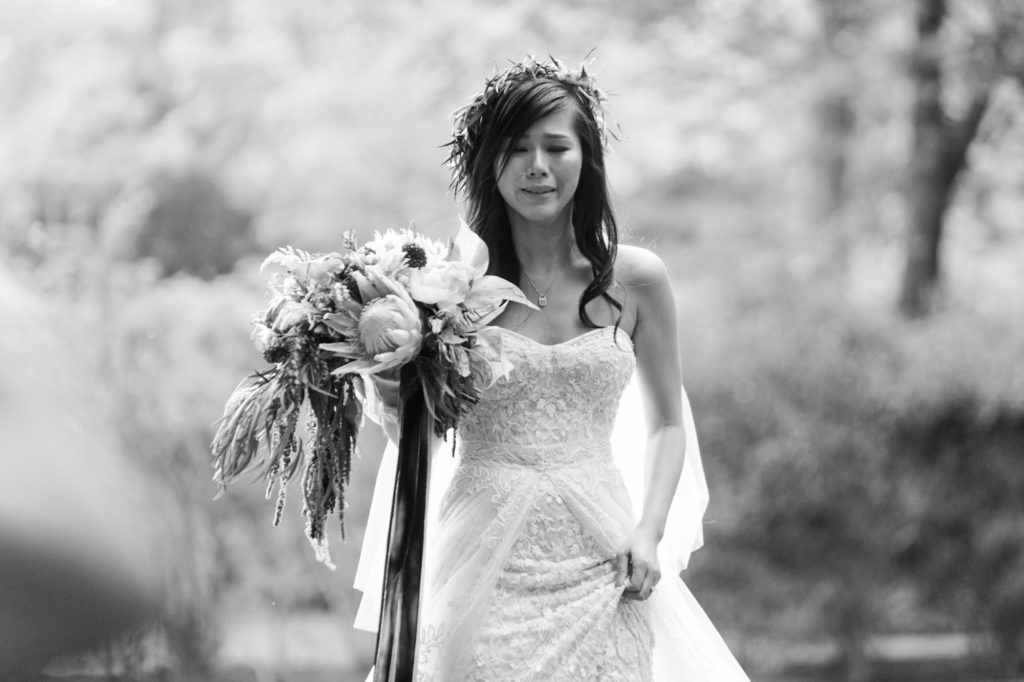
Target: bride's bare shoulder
{"x":636,"y":267}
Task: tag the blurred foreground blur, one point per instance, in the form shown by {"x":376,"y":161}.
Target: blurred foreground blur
{"x":77,"y":522}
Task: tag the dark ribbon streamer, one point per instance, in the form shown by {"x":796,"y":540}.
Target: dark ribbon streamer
{"x":399,"y":614}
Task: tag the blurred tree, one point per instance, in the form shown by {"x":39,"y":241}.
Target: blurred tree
{"x":941,"y":137}
{"x":842,"y":34}
{"x":938,"y":156}
{"x":192,"y":226}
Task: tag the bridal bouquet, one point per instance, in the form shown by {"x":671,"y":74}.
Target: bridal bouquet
{"x":401,"y":303}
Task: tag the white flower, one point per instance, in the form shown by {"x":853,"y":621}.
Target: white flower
{"x":291,"y":314}
{"x":391,"y":253}
{"x":444,"y":284}
{"x":388,"y":250}
{"x":291,"y":288}
{"x":263,"y":337}
{"x":389,"y":240}
{"x":488,"y":295}
{"x":286,"y":257}
{"x":435,"y":250}
{"x":294,"y":273}
{"x":321,"y":270}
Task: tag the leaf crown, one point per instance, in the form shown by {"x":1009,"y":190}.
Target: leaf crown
{"x":468,"y":119}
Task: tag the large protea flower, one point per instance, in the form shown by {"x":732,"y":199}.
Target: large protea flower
{"x":384,"y":333}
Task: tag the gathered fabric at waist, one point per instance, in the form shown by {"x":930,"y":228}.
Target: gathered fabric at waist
{"x":545,"y":456}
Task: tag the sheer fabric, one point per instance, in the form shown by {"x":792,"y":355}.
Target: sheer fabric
{"x":519,"y":578}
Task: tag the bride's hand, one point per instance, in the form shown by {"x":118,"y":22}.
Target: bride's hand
{"x":637,"y":565}
{"x":387,"y":384}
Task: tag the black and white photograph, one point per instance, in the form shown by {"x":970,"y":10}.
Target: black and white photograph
{"x":538,"y":341}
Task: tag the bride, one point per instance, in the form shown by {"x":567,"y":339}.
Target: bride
{"x":537,"y":567}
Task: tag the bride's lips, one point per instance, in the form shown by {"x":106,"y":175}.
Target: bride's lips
{"x":538,"y":191}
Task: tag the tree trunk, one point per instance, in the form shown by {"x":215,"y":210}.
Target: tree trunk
{"x":939,"y":154}
{"x":834,"y":109}
{"x":834,"y":114}
{"x":850,"y":615}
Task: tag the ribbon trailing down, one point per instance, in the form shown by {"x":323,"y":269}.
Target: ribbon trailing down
{"x":399,"y":614}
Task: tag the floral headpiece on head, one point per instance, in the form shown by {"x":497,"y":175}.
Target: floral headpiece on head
{"x":468,"y":119}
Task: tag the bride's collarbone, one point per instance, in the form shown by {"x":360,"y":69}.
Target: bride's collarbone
{"x":559,"y":321}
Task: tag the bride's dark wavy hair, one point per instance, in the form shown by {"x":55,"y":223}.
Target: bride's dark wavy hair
{"x":507,"y":119}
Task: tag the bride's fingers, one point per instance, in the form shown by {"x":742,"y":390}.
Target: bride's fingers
{"x":388,"y":389}
{"x":650,"y":580}
{"x":621,"y":568}
{"x":638,"y":575}
{"x":641,"y":593}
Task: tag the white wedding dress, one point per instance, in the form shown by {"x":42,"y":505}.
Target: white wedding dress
{"x":519,"y":577}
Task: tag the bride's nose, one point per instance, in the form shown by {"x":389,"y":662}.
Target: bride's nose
{"x":538,"y":167}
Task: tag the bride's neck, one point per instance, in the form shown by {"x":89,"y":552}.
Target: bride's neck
{"x":543,"y":249}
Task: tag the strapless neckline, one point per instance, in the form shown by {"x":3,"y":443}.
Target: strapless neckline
{"x":569,"y":341}
{"x":543,"y":394}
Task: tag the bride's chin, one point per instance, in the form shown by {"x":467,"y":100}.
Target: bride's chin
{"x":541,"y":214}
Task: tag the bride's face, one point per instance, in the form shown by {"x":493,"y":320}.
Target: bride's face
{"x":543,"y":169}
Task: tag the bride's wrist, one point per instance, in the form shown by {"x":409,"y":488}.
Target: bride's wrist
{"x":651,"y":531}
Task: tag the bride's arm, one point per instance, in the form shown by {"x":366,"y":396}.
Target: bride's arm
{"x":657,"y":352}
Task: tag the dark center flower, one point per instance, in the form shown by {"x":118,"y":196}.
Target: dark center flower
{"x":415,"y":256}
{"x":352,"y":287}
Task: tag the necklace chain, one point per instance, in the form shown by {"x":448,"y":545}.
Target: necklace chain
{"x":542,"y":297}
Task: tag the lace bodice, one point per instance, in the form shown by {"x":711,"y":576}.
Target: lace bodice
{"x":555,"y":397}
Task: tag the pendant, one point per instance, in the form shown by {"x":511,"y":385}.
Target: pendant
{"x":542,"y":300}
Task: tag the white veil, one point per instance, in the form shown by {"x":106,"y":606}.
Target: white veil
{"x":683,"y":530}
{"x":684,"y":533}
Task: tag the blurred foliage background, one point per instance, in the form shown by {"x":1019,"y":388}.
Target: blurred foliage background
{"x":837,"y":187}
